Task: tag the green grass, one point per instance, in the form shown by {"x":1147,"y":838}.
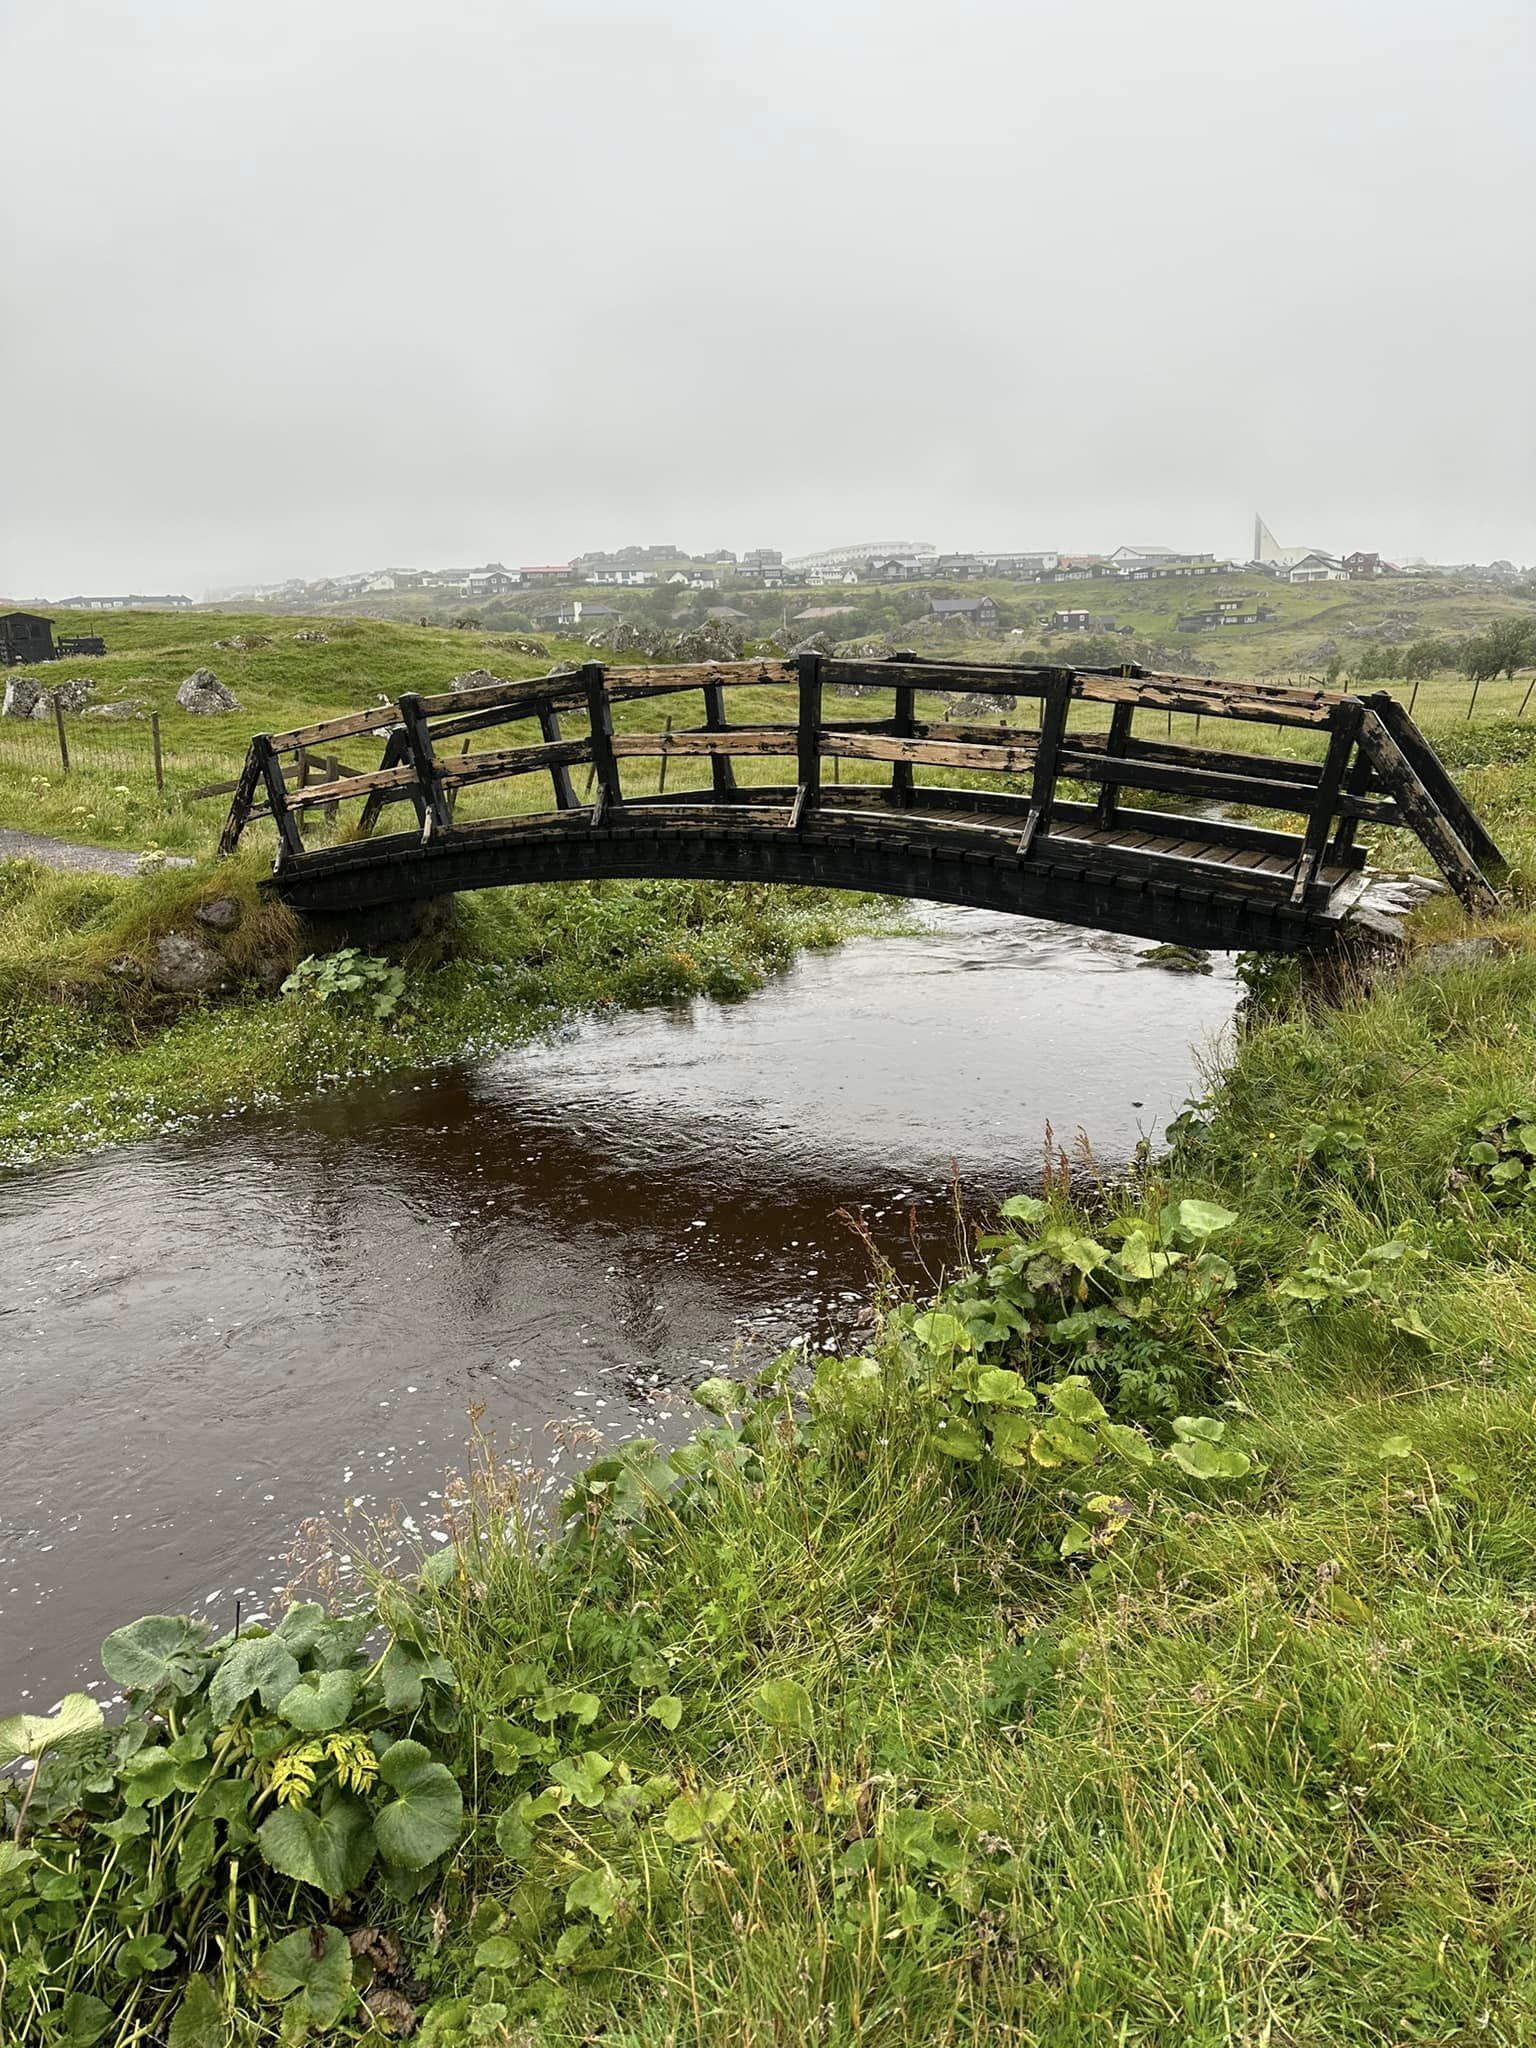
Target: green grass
{"x":809,"y":1732}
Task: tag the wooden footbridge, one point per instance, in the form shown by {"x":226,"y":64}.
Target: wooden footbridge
{"x":1062,"y":793}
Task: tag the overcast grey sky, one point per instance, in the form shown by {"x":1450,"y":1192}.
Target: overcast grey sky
{"x":301,"y":286}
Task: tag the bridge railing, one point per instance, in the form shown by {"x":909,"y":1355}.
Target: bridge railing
{"x":1367,"y":765}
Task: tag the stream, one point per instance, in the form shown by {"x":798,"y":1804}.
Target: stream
{"x":225,"y":1354}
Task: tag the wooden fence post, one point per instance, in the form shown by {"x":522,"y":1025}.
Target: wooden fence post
{"x":604,"y":762}
{"x":154,"y":740}
{"x":661,"y":772}
{"x":808,"y":790}
{"x":58,"y":720}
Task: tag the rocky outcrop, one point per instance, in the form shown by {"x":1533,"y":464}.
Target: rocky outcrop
{"x":28,"y":696}
{"x":126,"y":707}
{"x":205,"y":696}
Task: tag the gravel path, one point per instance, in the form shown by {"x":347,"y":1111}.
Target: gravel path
{"x":62,"y":853}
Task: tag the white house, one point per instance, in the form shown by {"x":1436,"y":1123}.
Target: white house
{"x":1315,"y":568}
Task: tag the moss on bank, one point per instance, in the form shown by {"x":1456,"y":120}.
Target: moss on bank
{"x":94,"y":1053}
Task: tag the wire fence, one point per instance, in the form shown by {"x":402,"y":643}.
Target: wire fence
{"x":135,"y":753}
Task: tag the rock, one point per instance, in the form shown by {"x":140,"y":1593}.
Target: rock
{"x":475,"y":679}
{"x":979,"y":705}
{"x":1453,"y":953}
{"x":1176,"y":959}
{"x":203,"y":694}
{"x":310,"y":633}
{"x":30,"y":697}
{"x":127,"y":707}
{"x":271,"y":972}
{"x":222,"y":914}
{"x":125,"y":968}
{"x":183,"y":966}
{"x":243,"y":642}
{"x":21,"y":695}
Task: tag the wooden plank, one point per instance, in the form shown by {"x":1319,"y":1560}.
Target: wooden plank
{"x":438,"y":816}
{"x":658,"y":678}
{"x":494,"y":764}
{"x":769,"y":740}
{"x":1270,"y":794}
{"x":378,"y":719}
{"x":808,"y":791}
{"x":1426,"y":818}
{"x":1432,"y":773}
{"x":610,"y":790}
{"x":1341,"y":746}
{"x":508,"y":714}
{"x":858,"y":746}
{"x":315,"y":794}
{"x":530,"y":691}
{"x":1234,"y":701}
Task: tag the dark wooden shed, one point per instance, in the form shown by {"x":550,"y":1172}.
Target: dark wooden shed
{"x":25,"y":636}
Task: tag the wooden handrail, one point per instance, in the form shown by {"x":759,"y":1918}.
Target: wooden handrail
{"x":1377,"y":769}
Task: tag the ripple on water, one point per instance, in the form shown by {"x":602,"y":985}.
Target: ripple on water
{"x":207,"y":1340}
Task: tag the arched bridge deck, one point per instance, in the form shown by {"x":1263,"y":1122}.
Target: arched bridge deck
{"x":1072,"y":814}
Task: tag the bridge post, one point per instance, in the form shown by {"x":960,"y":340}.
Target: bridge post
{"x":721,"y":767}
{"x":1055,"y":705}
{"x":289,"y":840}
{"x":600,"y":718}
{"x":435,"y":814}
{"x":1344,"y":731}
{"x":549,"y":732}
{"x":1119,"y":732}
{"x":808,"y":793}
{"x":902,"y":728}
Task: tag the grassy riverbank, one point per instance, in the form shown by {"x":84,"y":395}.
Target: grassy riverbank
{"x":1134,"y":1646}
{"x":95,"y":1053}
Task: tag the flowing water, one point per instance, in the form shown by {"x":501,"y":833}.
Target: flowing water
{"x":211,"y":1340}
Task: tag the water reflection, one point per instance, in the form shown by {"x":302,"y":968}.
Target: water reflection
{"x":205,"y":1340}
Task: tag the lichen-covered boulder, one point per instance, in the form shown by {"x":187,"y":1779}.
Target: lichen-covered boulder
{"x":204,"y":695}
{"x":21,"y":695}
{"x":183,"y":966}
{"x":222,"y":914}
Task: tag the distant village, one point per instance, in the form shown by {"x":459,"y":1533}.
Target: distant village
{"x":551,"y":587}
